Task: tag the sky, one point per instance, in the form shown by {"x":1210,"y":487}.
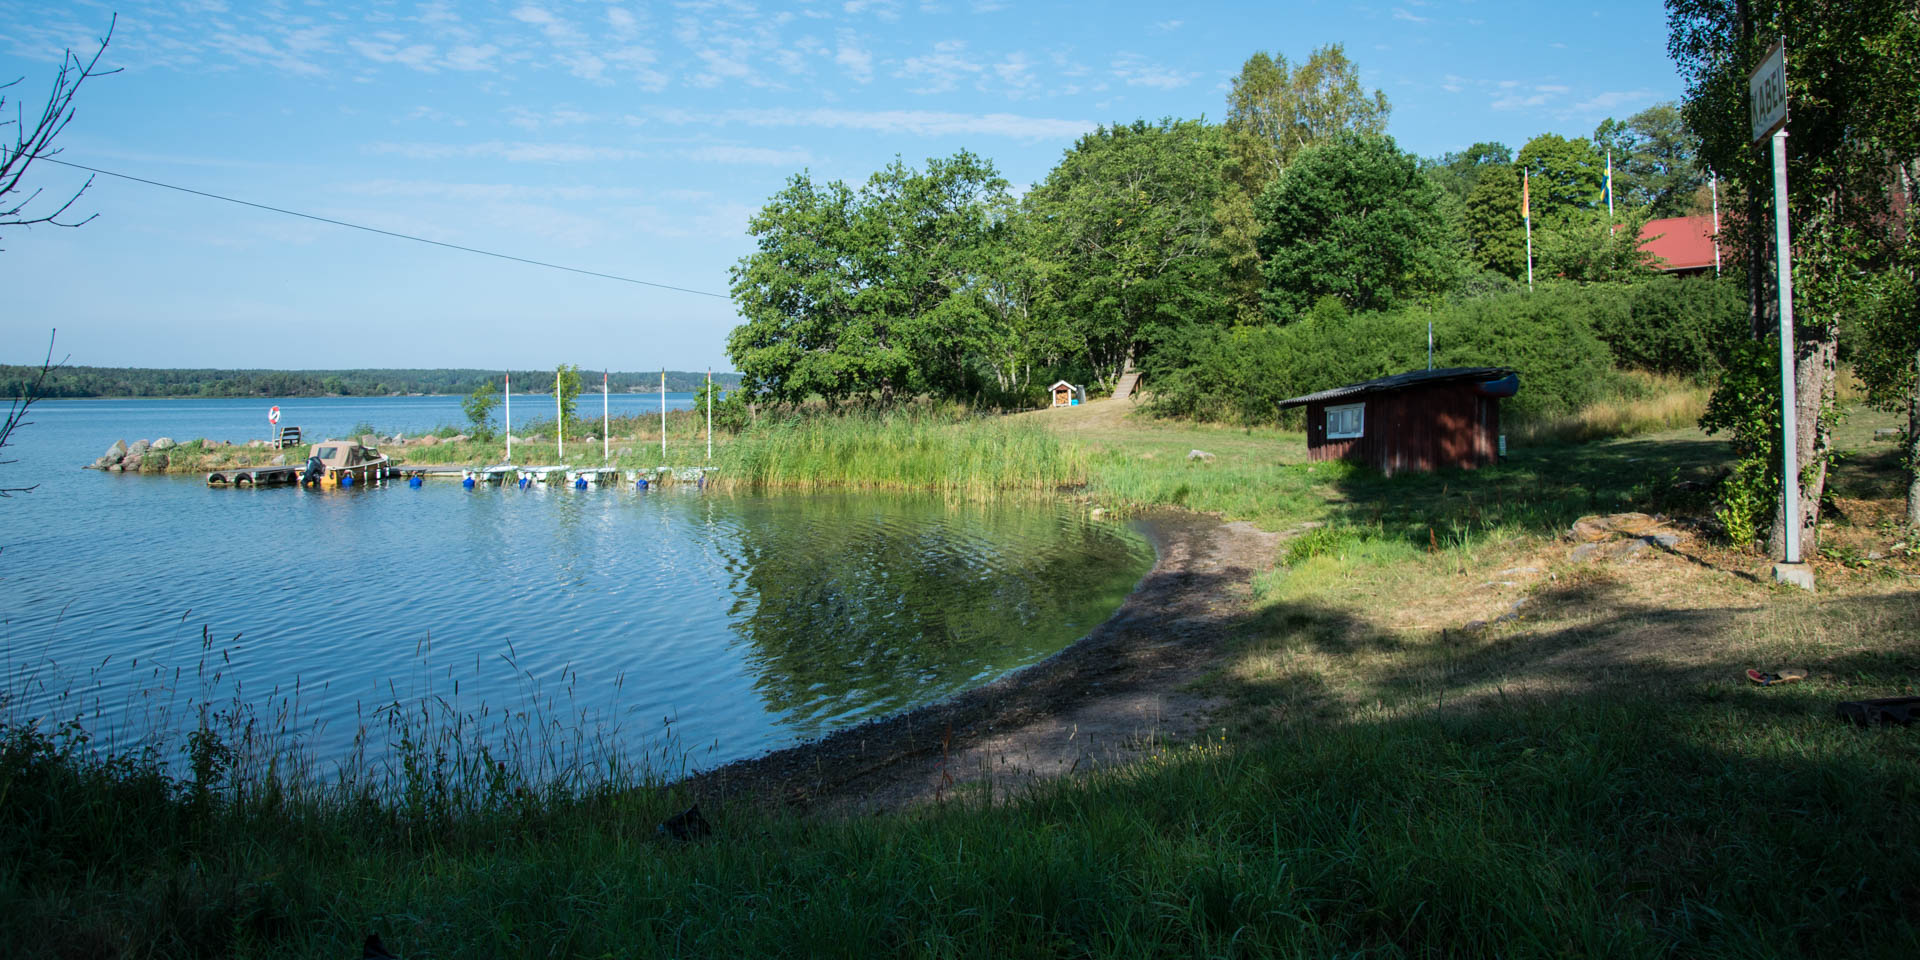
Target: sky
{"x":634,"y":139}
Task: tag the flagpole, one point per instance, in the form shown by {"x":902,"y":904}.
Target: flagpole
{"x":606,"y":447}
{"x":1715,"y":185}
{"x":509,"y":393}
{"x":1609,"y":189}
{"x":709,"y":413}
{"x":559,"y":421}
{"x":1526,"y":215}
{"x":663,"y":413}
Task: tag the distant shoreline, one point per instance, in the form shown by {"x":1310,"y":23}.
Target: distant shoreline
{"x":184,"y":383}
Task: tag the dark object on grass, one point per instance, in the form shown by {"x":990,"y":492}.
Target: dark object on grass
{"x":1769,"y":679}
{"x":687,"y":825}
{"x":1878,"y":713}
{"x":375,"y":950}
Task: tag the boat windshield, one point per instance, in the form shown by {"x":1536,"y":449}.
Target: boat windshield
{"x":326,"y":453}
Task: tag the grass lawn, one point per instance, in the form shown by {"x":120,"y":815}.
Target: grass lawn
{"x":1442,"y":735}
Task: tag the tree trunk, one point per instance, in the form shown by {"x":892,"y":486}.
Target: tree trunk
{"x":1815,"y":360}
{"x":1913,"y":452}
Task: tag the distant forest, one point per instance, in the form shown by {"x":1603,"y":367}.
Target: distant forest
{"x":143,"y":382}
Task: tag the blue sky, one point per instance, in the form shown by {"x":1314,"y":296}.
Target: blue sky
{"x":635,"y":139}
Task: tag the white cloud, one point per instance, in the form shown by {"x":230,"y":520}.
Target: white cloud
{"x":941,"y":70}
{"x":1401,"y":13}
{"x":1168,"y":26}
{"x":520,"y":152}
{"x":622,"y":22}
{"x":471,"y":58}
{"x":1135,"y":71}
{"x":1614,"y":100}
{"x":856,"y":60}
{"x":761,"y":156}
{"x":925,"y":123}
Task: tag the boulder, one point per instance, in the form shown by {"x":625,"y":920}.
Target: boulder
{"x":373,"y":440}
{"x":427,"y":441}
{"x":279,"y":461}
{"x":116,"y":452}
{"x":164,"y":443}
{"x":459,"y":438}
{"x":104,"y":462}
{"x":256,"y":444}
{"x":116,"y":468}
{"x":1199,"y":455}
{"x":131,"y":461}
{"x":138,"y":448}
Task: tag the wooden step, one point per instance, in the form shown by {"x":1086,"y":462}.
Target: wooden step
{"x":1124,"y":388}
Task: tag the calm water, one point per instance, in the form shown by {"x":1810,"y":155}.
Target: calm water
{"x":739,"y":623}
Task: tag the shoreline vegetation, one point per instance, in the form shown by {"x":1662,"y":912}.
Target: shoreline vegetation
{"x":1433,"y":728}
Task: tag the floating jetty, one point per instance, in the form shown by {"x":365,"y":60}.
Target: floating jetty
{"x":254,"y":476}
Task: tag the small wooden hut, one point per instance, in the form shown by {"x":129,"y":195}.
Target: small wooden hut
{"x":1066,"y":394}
{"x":1420,"y":420}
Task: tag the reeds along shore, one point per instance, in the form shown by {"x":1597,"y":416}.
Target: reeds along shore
{"x":901,"y":453}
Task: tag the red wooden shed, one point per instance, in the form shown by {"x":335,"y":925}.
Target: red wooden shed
{"x":1420,"y":420}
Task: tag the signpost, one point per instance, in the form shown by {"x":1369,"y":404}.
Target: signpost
{"x":273,"y":420}
{"x":273,"y":416}
{"x":1767,"y":110}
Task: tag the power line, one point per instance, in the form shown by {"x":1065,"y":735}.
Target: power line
{"x":384,"y":233}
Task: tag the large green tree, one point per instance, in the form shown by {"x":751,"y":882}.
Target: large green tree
{"x":1655,"y":160}
{"x":1456,"y":173}
{"x":1496,"y":236}
{"x":1287,"y":108}
{"x":1128,"y":226}
{"x":873,"y":295}
{"x":1564,"y":175}
{"x":1356,"y":220}
{"x":1853,"y":137}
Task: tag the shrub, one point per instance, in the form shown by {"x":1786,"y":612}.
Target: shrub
{"x":1241,"y":374}
{"x":1676,"y":325}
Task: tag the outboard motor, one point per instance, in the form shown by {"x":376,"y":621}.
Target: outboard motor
{"x":313,"y":472}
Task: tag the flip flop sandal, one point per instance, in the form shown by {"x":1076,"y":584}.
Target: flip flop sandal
{"x":1769,"y":679}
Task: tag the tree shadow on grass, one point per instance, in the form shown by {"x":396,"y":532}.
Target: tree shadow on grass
{"x":1539,"y":490}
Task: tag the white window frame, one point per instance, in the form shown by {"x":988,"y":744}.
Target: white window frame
{"x":1359,"y":411}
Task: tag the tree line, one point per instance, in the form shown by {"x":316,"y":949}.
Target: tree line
{"x":1294,"y":246}
{"x":70,"y":381}
{"x":937,"y":280}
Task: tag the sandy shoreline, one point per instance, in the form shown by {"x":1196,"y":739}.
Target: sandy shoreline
{"x":1091,"y":704}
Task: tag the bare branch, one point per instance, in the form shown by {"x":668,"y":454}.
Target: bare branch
{"x":36,"y":142}
{"x":17,"y":408}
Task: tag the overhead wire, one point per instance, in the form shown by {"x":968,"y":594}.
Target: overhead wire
{"x":385,"y":233}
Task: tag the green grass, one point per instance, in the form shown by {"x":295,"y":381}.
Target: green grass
{"x":1746,"y":824}
{"x":968,"y":458}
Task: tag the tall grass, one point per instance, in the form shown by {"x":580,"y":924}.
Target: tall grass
{"x":1642,"y":403}
{"x":903,"y":451}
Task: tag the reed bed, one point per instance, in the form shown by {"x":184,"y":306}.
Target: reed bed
{"x":952,"y":456}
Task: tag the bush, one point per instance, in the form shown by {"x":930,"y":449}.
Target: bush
{"x":1241,"y":374}
{"x":1677,"y":325}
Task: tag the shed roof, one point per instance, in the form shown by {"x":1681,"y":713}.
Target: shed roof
{"x":1412,"y":378}
{"x":1685,"y":243}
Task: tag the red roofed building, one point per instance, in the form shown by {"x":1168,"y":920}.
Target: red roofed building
{"x":1685,"y":243}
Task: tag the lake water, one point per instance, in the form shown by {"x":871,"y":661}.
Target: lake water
{"x":736,"y":624}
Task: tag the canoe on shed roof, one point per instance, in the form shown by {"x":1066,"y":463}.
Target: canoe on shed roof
{"x":1399,"y":381}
